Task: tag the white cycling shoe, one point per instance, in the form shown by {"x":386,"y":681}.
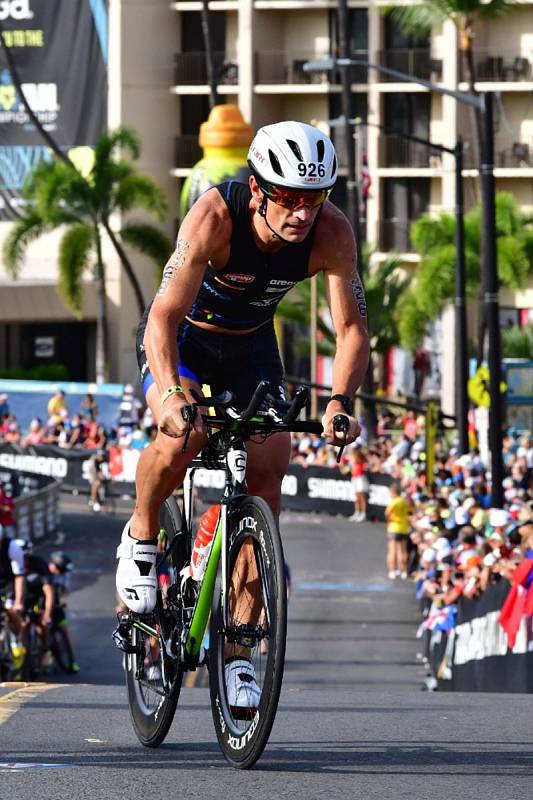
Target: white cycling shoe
{"x":136,"y":578}
{"x":242,"y":690}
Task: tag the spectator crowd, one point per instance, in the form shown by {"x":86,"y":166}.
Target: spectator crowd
{"x":443,"y":533}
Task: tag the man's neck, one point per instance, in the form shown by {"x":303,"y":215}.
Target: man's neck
{"x":264,"y":238}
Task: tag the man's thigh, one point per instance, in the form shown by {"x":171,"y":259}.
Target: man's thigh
{"x":268,"y":461}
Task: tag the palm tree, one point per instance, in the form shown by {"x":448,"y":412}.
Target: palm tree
{"x":384,"y":286}
{"x":58,"y":195}
{"x":433,"y":237}
{"x":419,"y":19}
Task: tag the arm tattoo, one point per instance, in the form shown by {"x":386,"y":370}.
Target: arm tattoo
{"x":174,"y":263}
{"x":357,"y":289}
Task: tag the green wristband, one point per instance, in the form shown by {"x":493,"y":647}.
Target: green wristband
{"x":171,"y":390}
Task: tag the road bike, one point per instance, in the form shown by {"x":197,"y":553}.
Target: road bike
{"x":242,"y":594}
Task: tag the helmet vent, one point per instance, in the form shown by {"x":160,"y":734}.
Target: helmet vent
{"x":320,"y":149}
{"x":334,"y":166}
{"x":274,"y":161}
{"x":295,"y":149}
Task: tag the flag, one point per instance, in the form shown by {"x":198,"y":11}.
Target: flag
{"x":519,"y":601}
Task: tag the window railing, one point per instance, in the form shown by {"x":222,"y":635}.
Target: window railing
{"x":281,"y":67}
{"x":395,"y":151}
{"x":417,"y":62}
{"x":190,"y":69}
{"x":504,"y":65}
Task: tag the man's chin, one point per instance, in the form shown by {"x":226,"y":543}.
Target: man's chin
{"x":295,"y":233}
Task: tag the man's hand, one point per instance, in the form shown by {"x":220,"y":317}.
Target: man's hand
{"x":172,"y":421}
{"x":337,"y":437}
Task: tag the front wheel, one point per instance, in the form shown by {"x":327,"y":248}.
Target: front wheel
{"x":154,"y":682}
{"x":246,"y":655}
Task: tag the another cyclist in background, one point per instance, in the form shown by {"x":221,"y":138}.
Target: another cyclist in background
{"x":239,"y":250}
{"x":13,"y":588}
{"x":47,"y":585}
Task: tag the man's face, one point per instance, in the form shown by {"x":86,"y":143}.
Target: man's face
{"x":292,"y":224}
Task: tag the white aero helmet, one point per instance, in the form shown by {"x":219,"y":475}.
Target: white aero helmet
{"x":294,"y":155}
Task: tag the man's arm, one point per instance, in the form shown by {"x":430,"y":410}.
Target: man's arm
{"x":205,"y":231}
{"x":346,"y":299}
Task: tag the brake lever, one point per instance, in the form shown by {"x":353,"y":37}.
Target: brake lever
{"x":341,"y":424}
{"x":189,"y":415}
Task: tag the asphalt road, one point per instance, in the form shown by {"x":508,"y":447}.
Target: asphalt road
{"x":353,"y":719}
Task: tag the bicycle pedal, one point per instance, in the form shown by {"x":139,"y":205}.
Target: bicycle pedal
{"x":121,"y":638}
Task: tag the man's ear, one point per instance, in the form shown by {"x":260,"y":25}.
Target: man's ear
{"x":255,"y":189}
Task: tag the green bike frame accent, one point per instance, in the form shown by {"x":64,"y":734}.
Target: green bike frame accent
{"x":202,"y":608}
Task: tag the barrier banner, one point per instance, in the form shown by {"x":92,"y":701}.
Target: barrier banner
{"x":319,"y":489}
{"x":59,"y":48}
{"x":477,"y":657}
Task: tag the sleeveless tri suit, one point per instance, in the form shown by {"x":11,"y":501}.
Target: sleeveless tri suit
{"x":242,"y":295}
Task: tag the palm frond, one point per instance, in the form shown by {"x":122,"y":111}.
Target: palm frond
{"x":432,"y":230}
{"x":412,"y":322}
{"x":24,"y":231}
{"x":417,"y":20}
{"x":435,"y":284}
{"x":513,"y":264}
{"x":122,"y":138}
{"x":517,"y":342}
{"x":140,"y":191}
{"x":74,"y":255}
{"x":149,"y":241}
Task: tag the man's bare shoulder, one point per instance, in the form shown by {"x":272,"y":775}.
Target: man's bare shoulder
{"x":210,"y":214}
{"x":334,"y":237}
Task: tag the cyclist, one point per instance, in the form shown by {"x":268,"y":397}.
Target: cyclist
{"x":239,"y":250}
{"x":13,"y":587}
{"x":47,"y":585}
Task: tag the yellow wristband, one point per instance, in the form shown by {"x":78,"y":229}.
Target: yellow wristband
{"x":171,"y":390}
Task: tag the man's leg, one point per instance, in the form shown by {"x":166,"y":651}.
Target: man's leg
{"x":161,"y":468}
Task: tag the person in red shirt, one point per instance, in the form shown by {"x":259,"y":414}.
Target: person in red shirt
{"x":360,"y":485}
{"x":7,"y":512}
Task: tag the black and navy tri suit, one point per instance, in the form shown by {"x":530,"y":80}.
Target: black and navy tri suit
{"x":242,"y":295}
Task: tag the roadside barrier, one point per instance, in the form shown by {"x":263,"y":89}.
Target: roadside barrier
{"x":36,"y":499}
{"x":313,"y":488}
{"x":478,"y":654}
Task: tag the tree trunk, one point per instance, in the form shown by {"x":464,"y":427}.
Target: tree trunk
{"x":102,"y":363}
{"x":128,"y":269}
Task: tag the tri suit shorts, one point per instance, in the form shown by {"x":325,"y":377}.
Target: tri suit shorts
{"x":223,"y":361}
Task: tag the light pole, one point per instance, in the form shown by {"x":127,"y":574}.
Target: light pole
{"x":490,"y":282}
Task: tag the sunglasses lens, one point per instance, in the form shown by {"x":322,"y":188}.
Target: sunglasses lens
{"x":292,"y":198}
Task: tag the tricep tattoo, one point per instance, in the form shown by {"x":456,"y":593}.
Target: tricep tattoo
{"x":174,"y":263}
{"x":358,"y":291}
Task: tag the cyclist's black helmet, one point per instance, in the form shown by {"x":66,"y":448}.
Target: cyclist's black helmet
{"x":61,"y":561}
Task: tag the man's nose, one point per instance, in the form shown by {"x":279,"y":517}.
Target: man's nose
{"x":303,"y":213}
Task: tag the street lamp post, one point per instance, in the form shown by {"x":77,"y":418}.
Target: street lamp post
{"x":490,"y":282}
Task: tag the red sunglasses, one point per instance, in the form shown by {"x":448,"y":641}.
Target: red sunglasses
{"x":294,"y":198}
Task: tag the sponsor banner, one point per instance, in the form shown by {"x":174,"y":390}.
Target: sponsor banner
{"x":319,"y":489}
{"x":475,"y":656}
{"x":59,"y":48}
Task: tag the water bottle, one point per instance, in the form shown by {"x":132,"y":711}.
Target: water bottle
{"x":203,"y":542}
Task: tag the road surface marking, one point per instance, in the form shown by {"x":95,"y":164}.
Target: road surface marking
{"x":11,"y":702}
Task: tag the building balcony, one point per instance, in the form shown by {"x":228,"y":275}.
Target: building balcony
{"x":500,"y":67}
{"x":190,"y":69}
{"x":187,"y":151}
{"x":395,"y":151}
{"x":509,"y":155}
{"x":417,"y":62}
{"x":394,"y":235}
{"x":278,"y":67}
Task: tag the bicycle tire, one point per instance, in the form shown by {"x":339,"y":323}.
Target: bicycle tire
{"x":243,"y":738}
{"x":151,"y":712}
{"x":61,"y":649}
{"x":33,"y":661}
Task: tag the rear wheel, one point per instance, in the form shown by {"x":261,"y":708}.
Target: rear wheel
{"x":251,"y":647}
{"x":61,"y":649}
{"x":153,"y":681}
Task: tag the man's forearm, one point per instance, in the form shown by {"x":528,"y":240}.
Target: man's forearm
{"x":161,"y":348}
{"x":19,"y":585}
{"x":350,"y":363}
